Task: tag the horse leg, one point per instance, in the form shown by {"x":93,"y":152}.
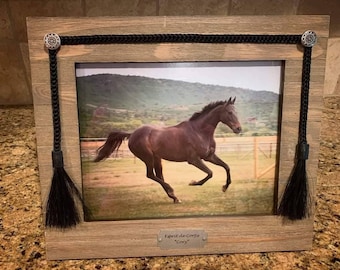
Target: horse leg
{"x":217,"y":161}
{"x":200,"y":165}
{"x":158,"y":168}
{"x":139,"y":145}
{"x":168,"y":189}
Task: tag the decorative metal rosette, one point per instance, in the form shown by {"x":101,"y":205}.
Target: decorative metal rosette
{"x":52,"y":41}
{"x":308,"y":39}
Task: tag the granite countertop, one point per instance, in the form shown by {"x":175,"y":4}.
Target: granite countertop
{"x":22,"y":230}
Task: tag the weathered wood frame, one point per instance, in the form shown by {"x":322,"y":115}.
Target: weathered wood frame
{"x":228,"y":234}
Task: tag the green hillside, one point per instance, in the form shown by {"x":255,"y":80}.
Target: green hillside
{"x":130,"y":101}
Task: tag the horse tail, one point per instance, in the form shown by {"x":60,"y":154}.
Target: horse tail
{"x":113,"y":142}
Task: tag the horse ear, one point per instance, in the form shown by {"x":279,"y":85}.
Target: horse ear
{"x":233,"y":101}
{"x":229,"y":101}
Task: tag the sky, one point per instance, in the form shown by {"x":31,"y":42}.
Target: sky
{"x":256,"y":75}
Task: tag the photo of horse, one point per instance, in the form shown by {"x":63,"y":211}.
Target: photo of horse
{"x":189,"y":141}
{"x":140,"y":132}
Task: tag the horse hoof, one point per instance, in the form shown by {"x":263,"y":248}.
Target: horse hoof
{"x":193,"y":183}
{"x":224,"y":188}
{"x":177,"y":201}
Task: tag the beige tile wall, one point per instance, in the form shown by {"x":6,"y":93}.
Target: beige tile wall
{"x":14,"y":61}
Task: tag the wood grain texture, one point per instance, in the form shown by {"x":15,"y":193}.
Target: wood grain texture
{"x":239,"y":234}
{"x":138,"y":238}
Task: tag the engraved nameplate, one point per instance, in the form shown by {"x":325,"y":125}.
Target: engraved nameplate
{"x":181,"y":239}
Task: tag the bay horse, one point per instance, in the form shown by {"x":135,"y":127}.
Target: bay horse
{"x":190,"y":141}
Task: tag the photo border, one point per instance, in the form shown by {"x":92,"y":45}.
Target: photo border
{"x":246,"y":141}
{"x":139,"y":238}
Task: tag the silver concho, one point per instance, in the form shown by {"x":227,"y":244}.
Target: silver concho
{"x":52,"y":41}
{"x":308,"y":39}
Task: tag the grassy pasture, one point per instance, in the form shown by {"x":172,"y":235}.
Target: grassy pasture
{"x":117,"y":189}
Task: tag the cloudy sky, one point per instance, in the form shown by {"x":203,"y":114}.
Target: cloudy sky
{"x":257,"y":75}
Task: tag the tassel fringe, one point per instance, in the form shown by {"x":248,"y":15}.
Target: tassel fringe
{"x":295,"y":200}
{"x":61,"y":209}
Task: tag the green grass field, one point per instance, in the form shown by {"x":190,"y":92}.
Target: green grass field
{"x":117,"y":189}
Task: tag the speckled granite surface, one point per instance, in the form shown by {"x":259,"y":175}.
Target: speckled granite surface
{"x":22,"y":231}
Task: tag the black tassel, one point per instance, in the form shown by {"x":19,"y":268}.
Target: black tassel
{"x":61,"y":208}
{"x":295,"y":200}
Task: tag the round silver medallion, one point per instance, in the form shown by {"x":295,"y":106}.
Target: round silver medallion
{"x":308,"y":39}
{"x":52,"y":41}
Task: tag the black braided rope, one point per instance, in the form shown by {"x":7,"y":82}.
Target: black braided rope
{"x":55,"y":100}
{"x":179,"y":38}
{"x":305,"y":94}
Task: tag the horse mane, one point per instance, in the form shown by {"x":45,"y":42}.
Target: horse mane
{"x":207,"y":109}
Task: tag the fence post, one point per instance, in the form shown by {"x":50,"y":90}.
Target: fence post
{"x":255,"y":157}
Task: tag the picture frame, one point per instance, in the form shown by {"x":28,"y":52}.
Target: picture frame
{"x":207,"y":235}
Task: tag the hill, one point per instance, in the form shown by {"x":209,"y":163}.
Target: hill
{"x":129,"y":92}
{"x":148,"y":100}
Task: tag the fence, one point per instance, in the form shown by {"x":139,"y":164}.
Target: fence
{"x":251,"y":147}
{"x":255,"y":148}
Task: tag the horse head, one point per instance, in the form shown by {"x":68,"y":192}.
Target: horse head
{"x":229,"y":116}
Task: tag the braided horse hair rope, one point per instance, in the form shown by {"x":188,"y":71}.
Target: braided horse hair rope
{"x":55,"y":100}
{"x":306,"y":66}
{"x":179,"y":38}
{"x":56,"y":216}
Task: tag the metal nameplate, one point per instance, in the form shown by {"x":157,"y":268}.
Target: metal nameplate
{"x":181,"y":239}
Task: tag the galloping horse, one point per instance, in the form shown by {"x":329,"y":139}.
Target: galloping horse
{"x":190,"y":141}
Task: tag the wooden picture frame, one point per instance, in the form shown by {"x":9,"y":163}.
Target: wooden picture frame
{"x":222,"y":234}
